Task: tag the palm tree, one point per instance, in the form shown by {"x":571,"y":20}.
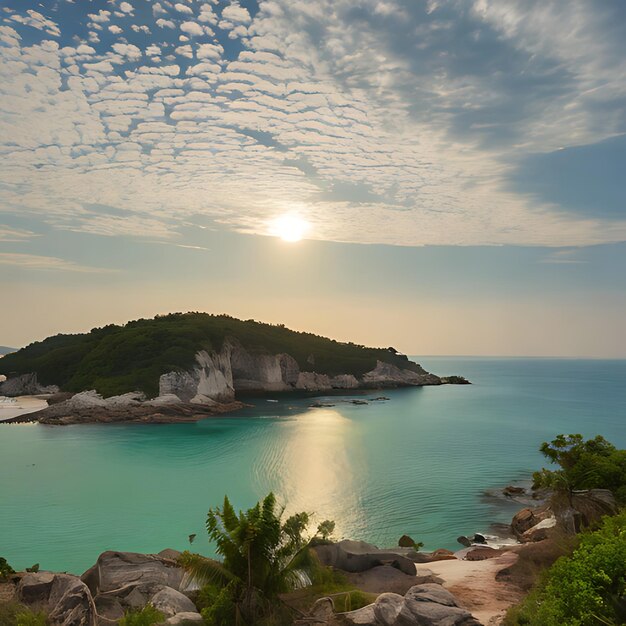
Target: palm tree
{"x":263,"y":555}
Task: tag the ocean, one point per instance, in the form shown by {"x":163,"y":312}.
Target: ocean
{"x":422,"y":463}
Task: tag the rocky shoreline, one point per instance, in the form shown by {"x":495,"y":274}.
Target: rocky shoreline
{"x":213,"y":386}
{"x":469,"y":587}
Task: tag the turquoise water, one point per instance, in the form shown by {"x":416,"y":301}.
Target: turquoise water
{"x":418,"y":464}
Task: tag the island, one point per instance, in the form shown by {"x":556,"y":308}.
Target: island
{"x":188,"y":366}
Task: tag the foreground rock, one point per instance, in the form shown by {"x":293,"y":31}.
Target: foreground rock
{"x":425,"y":605}
{"x":90,"y":407}
{"x":64,"y":598}
{"x":117,"y":583}
{"x":582,"y":509}
{"x":359,"y":556}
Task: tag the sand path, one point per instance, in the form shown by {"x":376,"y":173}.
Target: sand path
{"x":475,"y":586}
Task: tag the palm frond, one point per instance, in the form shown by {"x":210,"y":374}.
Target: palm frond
{"x":204,"y":570}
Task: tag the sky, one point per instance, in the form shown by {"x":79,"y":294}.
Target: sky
{"x":453,"y":170}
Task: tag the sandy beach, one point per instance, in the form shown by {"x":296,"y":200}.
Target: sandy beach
{"x":21,"y":406}
{"x":474,"y":584}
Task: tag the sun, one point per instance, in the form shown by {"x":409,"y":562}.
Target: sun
{"x":289,"y":227}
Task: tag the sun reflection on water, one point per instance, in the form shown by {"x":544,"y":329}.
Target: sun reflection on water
{"x":310,"y":470}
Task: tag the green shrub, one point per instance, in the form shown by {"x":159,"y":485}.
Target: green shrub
{"x":584,"y":589}
{"x":351,"y":600}
{"x":5,"y":569}
{"x":15,"y":614}
{"x":143,"y":617}
{"x":591,"y":464}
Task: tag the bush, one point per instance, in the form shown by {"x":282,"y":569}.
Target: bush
{"x":143,"y":617}
{"x":591,"y":464}
{"x":584,"y":589}
{"x":14,"y":614}
{"x":5,"y":569}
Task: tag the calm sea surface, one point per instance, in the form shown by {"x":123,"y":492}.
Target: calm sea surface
{"x":417,"y":464}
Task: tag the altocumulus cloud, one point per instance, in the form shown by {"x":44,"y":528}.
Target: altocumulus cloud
{"x":400,"y":122}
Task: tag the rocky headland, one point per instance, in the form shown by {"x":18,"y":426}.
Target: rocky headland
{"x":212,"y":385}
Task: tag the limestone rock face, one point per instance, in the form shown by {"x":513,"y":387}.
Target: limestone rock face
{"x":344,"y":381}
{"x":311,"y":381}
{"x":211,"y":377}
{"x":25,"y":385}
{"x":289,"y":368}
{"x":262,"y":372}
{"x":389,"y":375}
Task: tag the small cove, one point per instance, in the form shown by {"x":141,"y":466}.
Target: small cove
{"x":418,"y":464}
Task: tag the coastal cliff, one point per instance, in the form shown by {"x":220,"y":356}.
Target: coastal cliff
{"x":186,"y":366}
{"x":221,"y":375}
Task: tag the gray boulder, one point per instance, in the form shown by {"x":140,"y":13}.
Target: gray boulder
{"x":358,"y":556}
{"x":70,"y":602}
{"x":35,"y":588}
{"x":171,"y":602}
{"x":115,"y":571}
{"x":423,"y":605}
{"x":387,"y":608}
{"x":65,"y":598}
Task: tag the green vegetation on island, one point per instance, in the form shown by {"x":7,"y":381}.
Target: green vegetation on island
{"x":119,"y":359}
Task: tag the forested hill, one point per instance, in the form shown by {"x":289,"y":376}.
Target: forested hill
{"x":117,"y":359}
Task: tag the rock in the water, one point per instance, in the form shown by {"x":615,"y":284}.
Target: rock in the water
{"x":464,"y":541}
{"x":170,"y":602}
{"x":511,"y":491}
{"x":478,"y":538}
{"x":406,"y":542}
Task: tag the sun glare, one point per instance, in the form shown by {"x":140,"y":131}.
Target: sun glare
{"x":289,"y":228}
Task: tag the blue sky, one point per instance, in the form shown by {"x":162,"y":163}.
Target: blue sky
{"x":450,"y":160}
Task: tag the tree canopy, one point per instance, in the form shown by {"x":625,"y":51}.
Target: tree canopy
{"x":591,"y":464}
{"x":118,"y":359}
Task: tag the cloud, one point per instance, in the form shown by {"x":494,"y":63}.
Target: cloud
{"x":183,"y":8}
{"x":236,"y":14}
{"x":31,"y":262}
{"x":380,"y":122}
{"x":126,"y":7}
{"x":14,"y":234}
{"x":101,"y":17}
{"x":191,"y":28}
